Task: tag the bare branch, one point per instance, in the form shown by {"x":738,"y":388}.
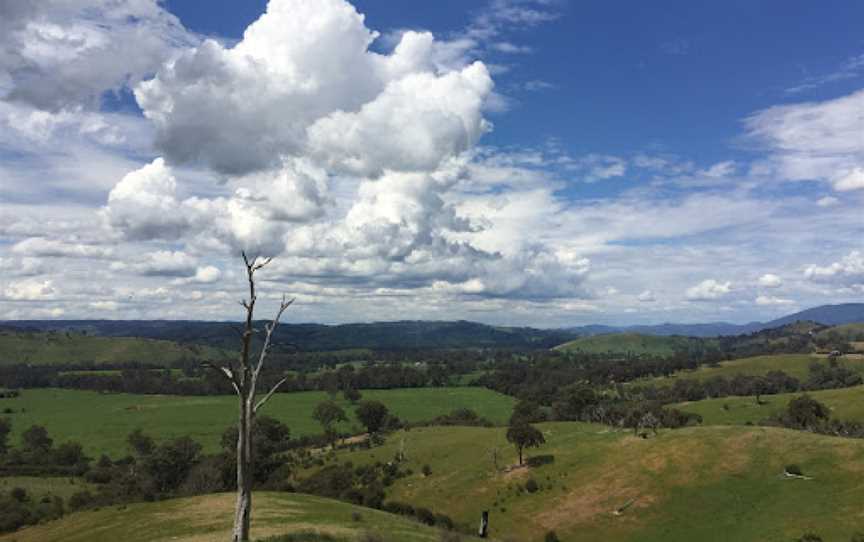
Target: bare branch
{"x":270,"y":393}
{"x":227,"y":371}
{"x":271,"y":327}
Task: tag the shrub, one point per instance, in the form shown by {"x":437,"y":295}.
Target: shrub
{"x":356,"y":516}
{"x":444,"y":521}
{"x":551,"y":536}
{"x":794,"y":469}
{"x":19,"y":494}
{"x":531,"y":486}
{"x":810,"y":537}
{"x":427,"y":470}
{"x":80,"y":500}
{"x":424,"y":515}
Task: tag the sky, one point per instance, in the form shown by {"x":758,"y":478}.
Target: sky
{"x":547,"y":163}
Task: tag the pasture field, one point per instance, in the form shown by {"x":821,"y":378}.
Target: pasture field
{"x":59,"y":347}
{"x":845,"y":404}
{"x":796,"y":365}
{"x":101,"y":422}
{"x":700,"y":483}
{"x":208,"y":518}
{"x":627,"y":343}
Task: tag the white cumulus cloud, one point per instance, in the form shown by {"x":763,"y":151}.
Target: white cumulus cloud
{"x":708,"y":290}
{"x":770,"y":280}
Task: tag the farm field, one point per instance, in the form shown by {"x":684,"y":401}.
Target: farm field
{"x":56,"y":347}
{"x":699,"y":483}
{"x":796,"y":365}
{"x":101,"y":422}
{"x":208,"y":518}
{"x":627,"y":343}
{"x":845,"y":404}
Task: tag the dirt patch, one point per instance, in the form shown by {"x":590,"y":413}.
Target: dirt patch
{"x":601,"y":497}
{"x":515,"y":472}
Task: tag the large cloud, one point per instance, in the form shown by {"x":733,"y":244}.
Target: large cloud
{"x":814,"y":141}
{"x":301,"y":103}
{"x":303,"y":81}
{"x":57,"y":54}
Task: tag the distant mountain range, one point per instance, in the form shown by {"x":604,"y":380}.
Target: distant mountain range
{"x":416,"y":334}
{"x":831,"y":315}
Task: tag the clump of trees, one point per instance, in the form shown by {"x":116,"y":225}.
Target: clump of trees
{"x":805,"y":413}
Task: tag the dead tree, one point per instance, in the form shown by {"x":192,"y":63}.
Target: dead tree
{"x":243,"y":377}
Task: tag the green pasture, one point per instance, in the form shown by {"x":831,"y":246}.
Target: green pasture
{"x":101,"y":422}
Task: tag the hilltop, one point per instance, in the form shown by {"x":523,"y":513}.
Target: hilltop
{"x":208,"y":518}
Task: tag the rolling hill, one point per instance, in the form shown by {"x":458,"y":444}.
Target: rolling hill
{"x":627,"y":343}
{"x":208,"y":518}
{"x":845,"y":404}
{"x":47,"y":348}
{"x":712,"y":484}
{"x":699,"y":483}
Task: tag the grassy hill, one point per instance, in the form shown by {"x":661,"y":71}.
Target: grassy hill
{"x":627,"y":343}
{"x":208,"y":518}
{"x":45,"y":348}
{"x":101,"y":422}
{"x":700,"y":483}
{"x":796,"y":365}
{"x":845,"y":404}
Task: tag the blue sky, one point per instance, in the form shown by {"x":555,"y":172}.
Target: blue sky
{"x":539,"y":162}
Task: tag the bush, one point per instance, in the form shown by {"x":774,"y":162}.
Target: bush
{"x":531,"y":486}
{"x":424,"y":515}
{"x":427,"y":470}
{"x":80,"y":500}
{"x":794,"y":469}
{"x":444,"y":521}
{"x":19,"y":494}
{"x":810,"y":537}
{"x":551,"y":536}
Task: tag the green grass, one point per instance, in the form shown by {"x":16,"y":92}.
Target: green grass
{"x":703,"y":483}
{"x":796,"y":365}
{"x":101,"y":422}
{"x":626,"y":343}
{"x":60,"y":486}
{"x":208,"y":518}
{"x":60,"y":347}
{"x":845,"y":404}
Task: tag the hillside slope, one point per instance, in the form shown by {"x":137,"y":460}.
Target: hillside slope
{"x":845,"y":404}
{"x":627,"y":343}
{"x":208,"y":518}
{"x":710,"y":484}
{"x":45,"y":348}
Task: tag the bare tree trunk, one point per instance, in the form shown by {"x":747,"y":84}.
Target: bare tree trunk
{"x":243,"y":509}
{"x":244,"y":380}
